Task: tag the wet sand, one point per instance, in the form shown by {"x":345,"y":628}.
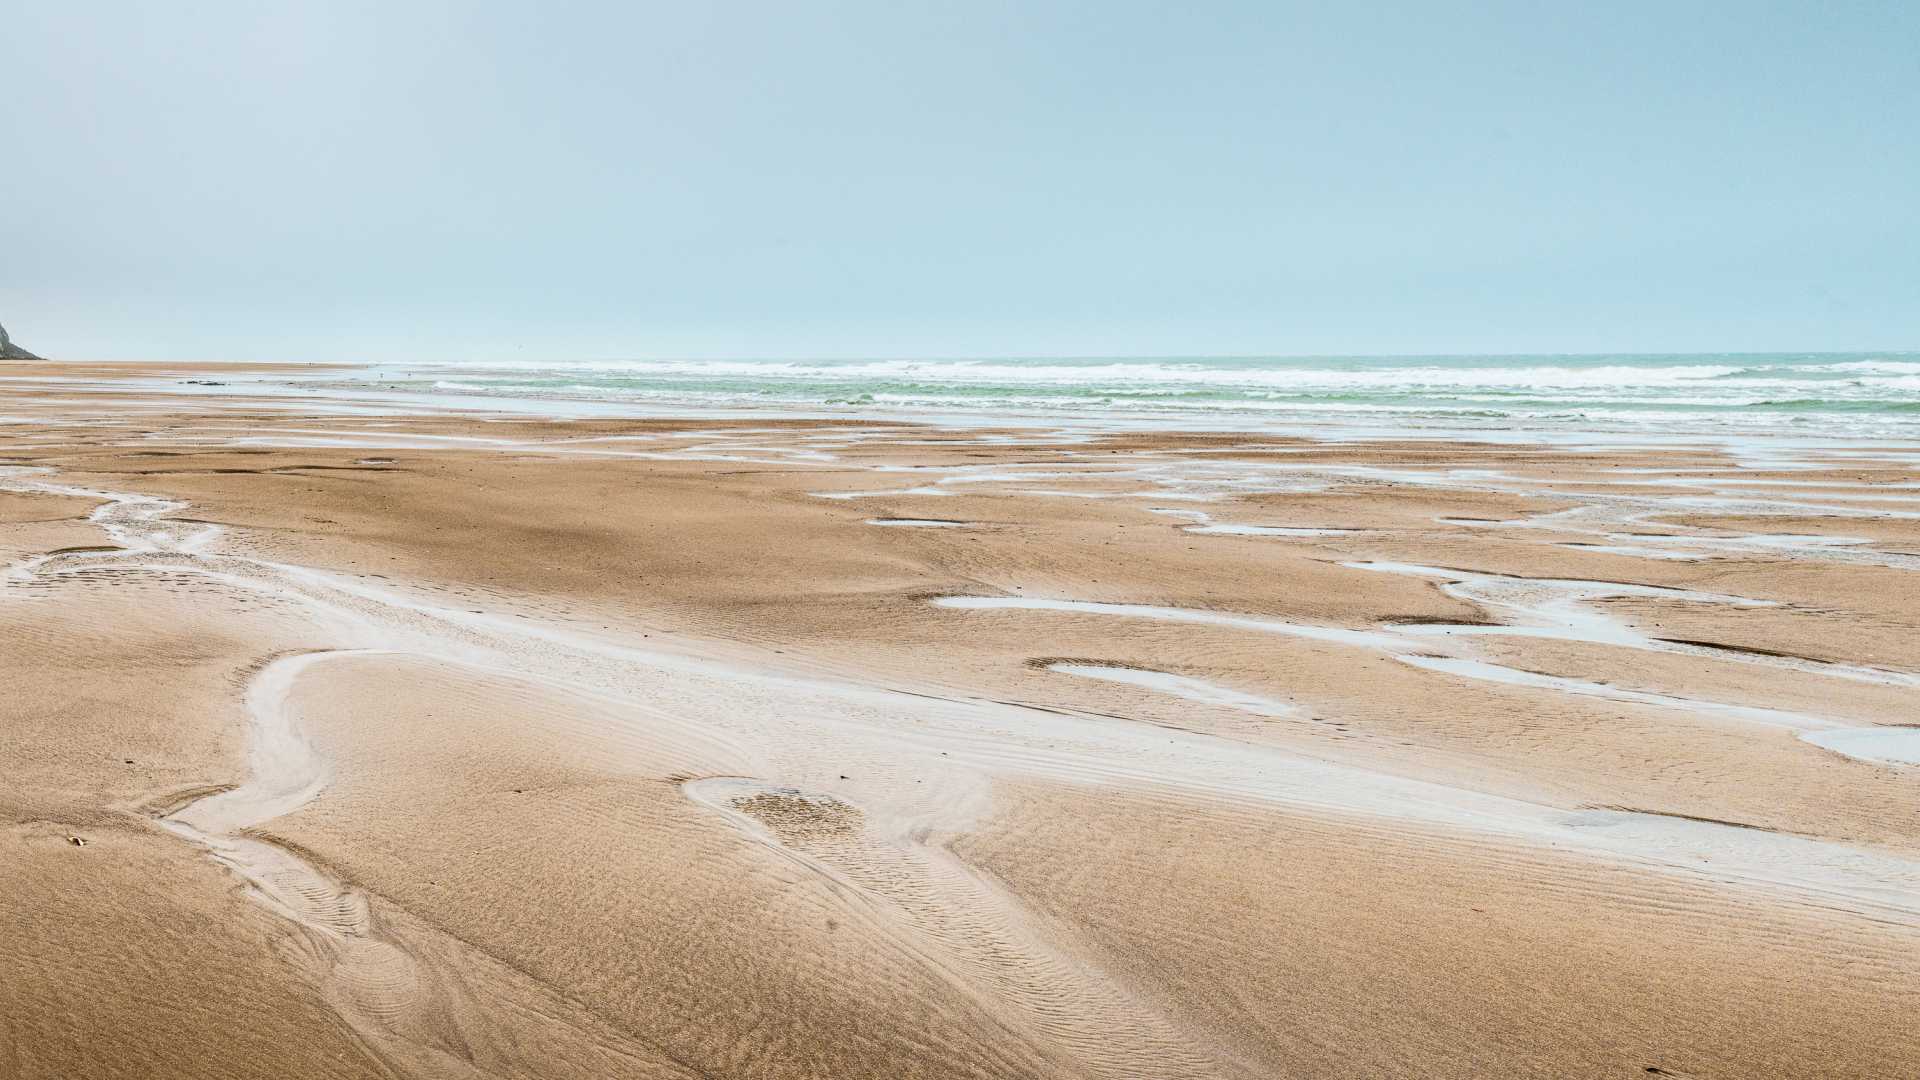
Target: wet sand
{"x":351,"y":740}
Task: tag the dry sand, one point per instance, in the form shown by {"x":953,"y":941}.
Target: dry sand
{"x":448,"y":744}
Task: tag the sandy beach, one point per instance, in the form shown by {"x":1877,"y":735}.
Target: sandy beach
{"x":363,"y":739}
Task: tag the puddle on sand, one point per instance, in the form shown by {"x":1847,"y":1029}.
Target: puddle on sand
{"x":1203,"y":524}
{"x":1886,"y":745}
{"x":1364,"y":639}
{"x":1179,"y":686}
{"x":1265,"y":530}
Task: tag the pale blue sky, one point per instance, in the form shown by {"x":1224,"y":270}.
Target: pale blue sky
{"x":484,"y":180}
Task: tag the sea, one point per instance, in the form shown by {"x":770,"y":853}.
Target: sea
{"x":1856,"y":395}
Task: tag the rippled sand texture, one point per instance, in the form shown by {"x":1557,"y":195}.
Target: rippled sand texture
{"x":404,"y":742}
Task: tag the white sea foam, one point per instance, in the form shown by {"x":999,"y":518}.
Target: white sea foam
{"x":1860,"y":395}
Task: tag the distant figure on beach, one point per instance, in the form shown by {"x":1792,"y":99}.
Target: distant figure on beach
{"x":10,"y":351}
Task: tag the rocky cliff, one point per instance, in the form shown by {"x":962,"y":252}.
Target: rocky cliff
{"x":10,"y":351}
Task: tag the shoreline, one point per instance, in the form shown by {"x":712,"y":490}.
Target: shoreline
{"x":264,"y":385}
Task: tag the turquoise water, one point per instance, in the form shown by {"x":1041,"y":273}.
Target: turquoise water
{"x":1864,"y":394}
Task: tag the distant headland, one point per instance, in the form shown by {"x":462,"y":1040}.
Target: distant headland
{"x":10,"y":351}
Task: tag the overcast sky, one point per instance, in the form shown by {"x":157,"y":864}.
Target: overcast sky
{"x":559,"y":180}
